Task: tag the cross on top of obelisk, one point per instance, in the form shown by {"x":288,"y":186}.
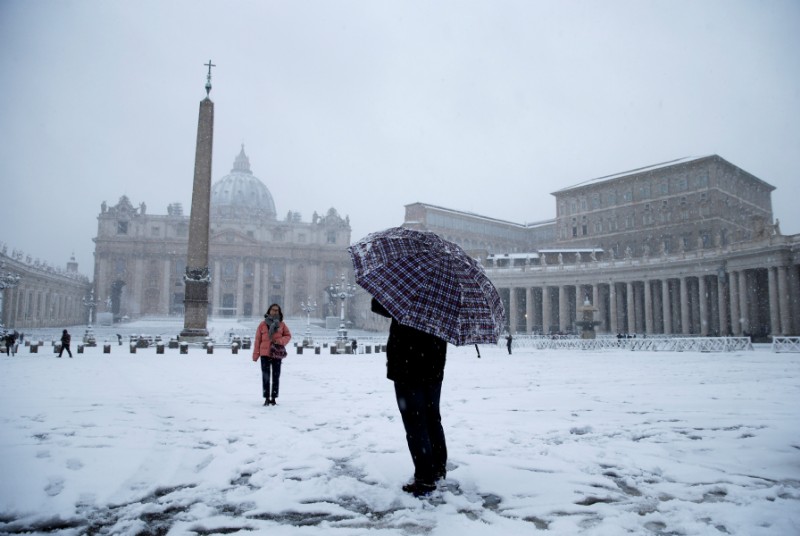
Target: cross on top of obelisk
{"x":208,"y":78}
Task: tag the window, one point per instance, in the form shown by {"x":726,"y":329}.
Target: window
{"x":301,"y":238}
{"x":331,"y":237}
{"x":644,"y":191}
{"x":122,"y":227}
{"x":627,"y":196}
{"x":228,"y":269}
{"x":155,"y":231}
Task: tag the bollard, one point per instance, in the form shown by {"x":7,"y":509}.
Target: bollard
{"x":80,"y":348}
{"x":333,"y":350}
{"x":133,"y":348}
{"x":299,"y":349}
{"x":106,"y":348}
{"x":368,"y":349}
{"x":173,"y":343}
{"x":34,"y":348}
{"x":56,"y":348}
{"x":316,"y":350}
{"x":160,"y":348}
{"x":234,"y":348}
{"x":210,"y":348}
{"x":184,"y":347}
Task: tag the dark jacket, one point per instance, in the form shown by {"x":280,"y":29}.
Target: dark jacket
{"x":412,"y":356}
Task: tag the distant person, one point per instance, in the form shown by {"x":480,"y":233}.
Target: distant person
{"x":119,"y":339}
{"x":509,"y":340}
{"x":272,"y":336}
{"x":355,"y":346}
{"x":415,"y":363}
{"x":66,"y":338}
{"x":11,"y":341}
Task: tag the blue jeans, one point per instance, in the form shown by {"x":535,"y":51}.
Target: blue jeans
{"x":268,"y":363}
{"x":419,"y":408}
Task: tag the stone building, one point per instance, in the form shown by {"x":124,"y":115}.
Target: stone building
{"x":41,"y":295}
{"x":255,"y":258}
{"x":686,"y":247}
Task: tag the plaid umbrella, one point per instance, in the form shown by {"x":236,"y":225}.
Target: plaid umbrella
{"x":430,"y":284}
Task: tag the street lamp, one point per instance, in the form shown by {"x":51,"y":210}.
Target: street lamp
{"x":90,"y":304}
{"x":308,"y":308}
{"x":342,"y":290}
{"x":7,"y":280}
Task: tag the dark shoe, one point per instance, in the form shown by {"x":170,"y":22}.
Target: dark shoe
{"x":417,"y":488}
{"x":440,"y":475}
{"x":266,"y":401}
{"x":273,"y":402}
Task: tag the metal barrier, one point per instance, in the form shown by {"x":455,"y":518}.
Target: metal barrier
{"x":785,"y":344}
{"x":651,"y":344}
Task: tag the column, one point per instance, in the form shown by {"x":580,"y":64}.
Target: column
{"x":648,"y":308}
{"x":528,"y":309}
{"x":596,"y":302}
{"x":666,"y":310}
{"x":216,"y":283}
{"x":545,"y":310}
{"x":722,"y":307}
{"x":783,"y":297}
{"x":630,"y":308}
{"x":257,"y":301}
{"x":744,"y":310}
{"x":240,"y":289}
{"x":612,"y":307}
{"x":774,"y":318}
{"x":563,"y":309}
{"x":733,"y":290}
{"x":163,"y":305}
{"x":512,"y":314}
{"x":703,"y":300}
{"x":685,"y":328}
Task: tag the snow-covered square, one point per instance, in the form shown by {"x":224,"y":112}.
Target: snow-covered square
{"x":556,"y":442}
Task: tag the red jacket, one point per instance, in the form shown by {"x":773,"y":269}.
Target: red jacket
{"x":262,"y":344}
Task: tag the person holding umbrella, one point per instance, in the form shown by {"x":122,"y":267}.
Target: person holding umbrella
{"x":415,"y":363}
{"x":435,"y":294}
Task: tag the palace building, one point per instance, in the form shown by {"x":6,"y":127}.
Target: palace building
{"x":687,"y":247}
{"x":255,"y":258}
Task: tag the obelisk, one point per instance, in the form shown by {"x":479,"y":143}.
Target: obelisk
{"x":197,"y":277}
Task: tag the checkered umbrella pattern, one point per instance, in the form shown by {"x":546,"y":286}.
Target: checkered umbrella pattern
{"x":430,"y":284}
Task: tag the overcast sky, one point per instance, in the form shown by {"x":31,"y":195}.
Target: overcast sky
{"x":366,"y":106}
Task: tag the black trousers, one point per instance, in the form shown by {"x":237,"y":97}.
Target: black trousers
{"x":419,"y":408}
{"x":65,"y":347}
{"x":270,"y":367}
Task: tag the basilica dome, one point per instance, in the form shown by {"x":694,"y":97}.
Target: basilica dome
{"x":241,"y":195}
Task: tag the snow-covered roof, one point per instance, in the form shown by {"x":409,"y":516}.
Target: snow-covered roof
{"x":475,"y":216}
{"x":633,"y":172}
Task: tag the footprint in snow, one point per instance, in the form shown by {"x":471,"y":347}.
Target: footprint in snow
{"x":54,"y":486}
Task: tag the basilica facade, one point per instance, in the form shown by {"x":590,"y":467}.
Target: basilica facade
{"x":255,"y":258}
{"x":687,"y":247}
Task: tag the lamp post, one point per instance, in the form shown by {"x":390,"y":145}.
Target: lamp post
{"x":308,"y":308}
{"x":342,"y":290}
{"x":90,"y":304}
{"x":7,"y":280}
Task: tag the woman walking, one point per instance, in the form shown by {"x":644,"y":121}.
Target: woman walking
{"x":272,"y":336}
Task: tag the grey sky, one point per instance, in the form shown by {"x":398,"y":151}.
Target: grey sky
{"x":484,"y":106}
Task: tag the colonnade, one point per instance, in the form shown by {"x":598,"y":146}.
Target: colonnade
{"x":749,"y":301}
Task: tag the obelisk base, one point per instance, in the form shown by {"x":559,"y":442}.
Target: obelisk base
{"x":195,"y":306}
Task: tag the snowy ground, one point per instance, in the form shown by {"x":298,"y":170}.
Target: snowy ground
{"x":557,"y":442}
